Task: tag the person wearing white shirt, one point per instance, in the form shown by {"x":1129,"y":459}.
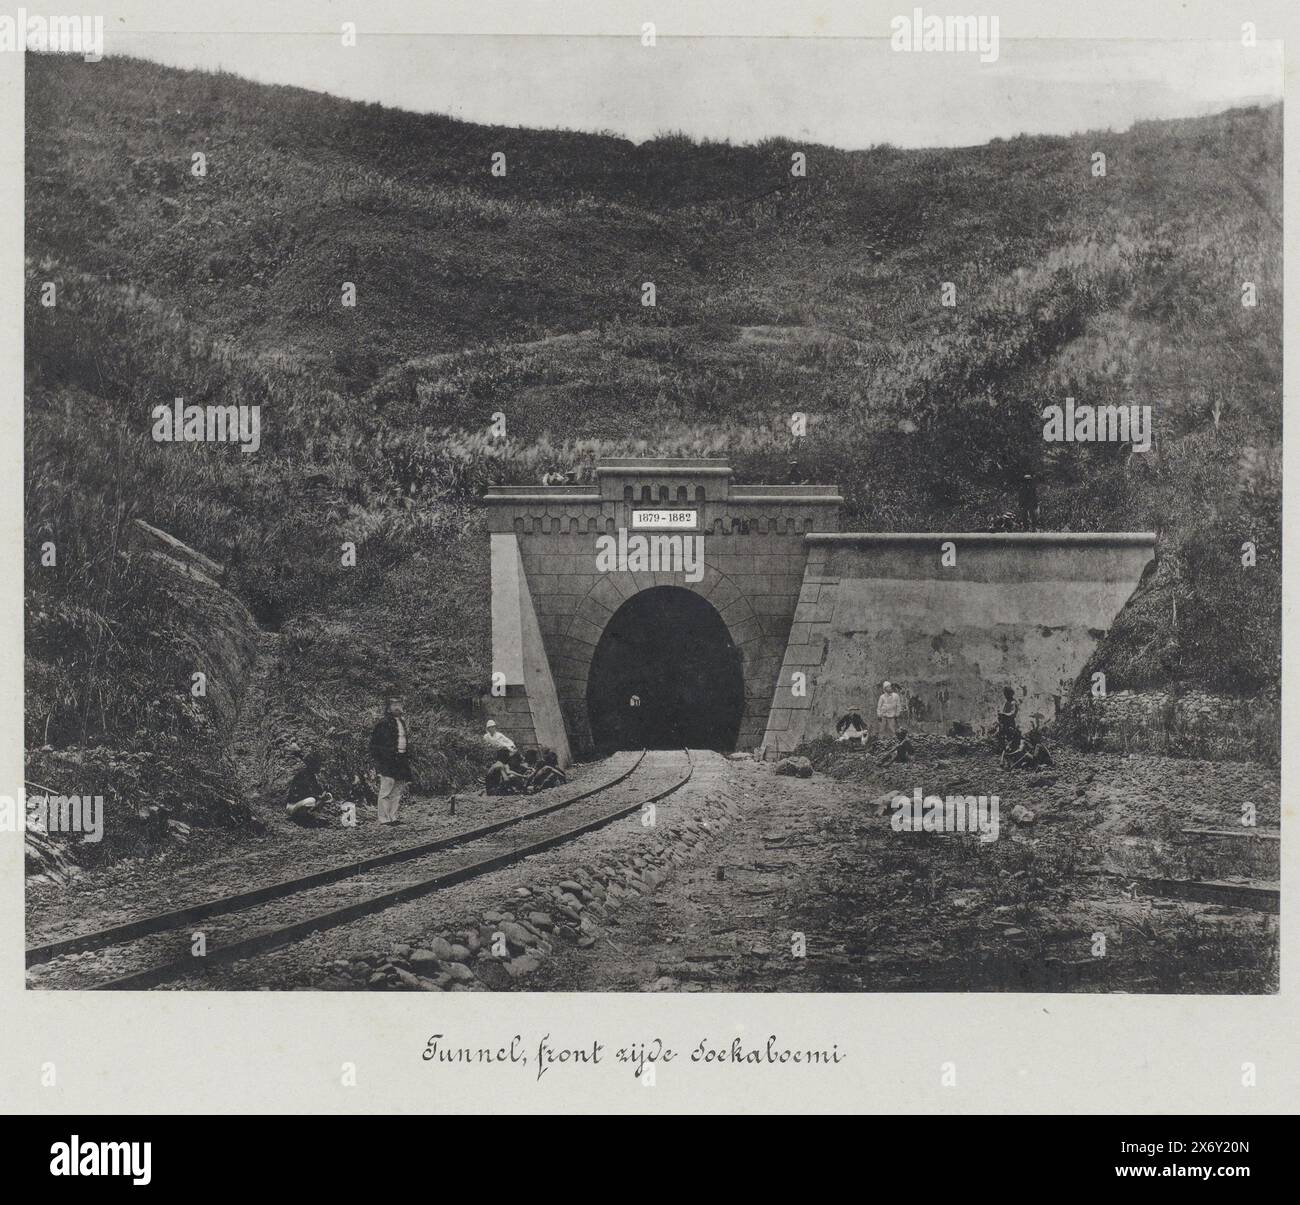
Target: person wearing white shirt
{"x":888,"y":709}
{"x":496,"y":738}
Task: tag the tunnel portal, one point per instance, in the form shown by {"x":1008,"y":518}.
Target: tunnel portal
{"x":776,"y":616}
{"x":665,"y":674}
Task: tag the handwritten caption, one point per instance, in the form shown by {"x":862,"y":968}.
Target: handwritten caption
{"x":640,"y":1057}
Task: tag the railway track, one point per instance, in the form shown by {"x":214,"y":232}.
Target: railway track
{"x":156,"y":949}
{"x":159,"y":922}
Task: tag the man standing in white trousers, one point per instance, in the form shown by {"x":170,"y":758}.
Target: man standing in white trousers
{"x":391,"y":754}
{"x":888,"y":709}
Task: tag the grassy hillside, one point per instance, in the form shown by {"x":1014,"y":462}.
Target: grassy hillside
{"x":522,"y":294}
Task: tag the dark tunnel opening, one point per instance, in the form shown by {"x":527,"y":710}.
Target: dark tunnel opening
{"x":665,"y":675}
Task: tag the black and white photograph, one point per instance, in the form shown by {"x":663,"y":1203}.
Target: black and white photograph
{"x":604,"y":558}
{"x":651,"y":514}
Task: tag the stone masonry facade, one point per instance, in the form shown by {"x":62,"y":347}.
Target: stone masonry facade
{"x":754,"y":562}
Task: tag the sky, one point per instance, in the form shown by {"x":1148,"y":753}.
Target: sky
{"x":845,"y":92}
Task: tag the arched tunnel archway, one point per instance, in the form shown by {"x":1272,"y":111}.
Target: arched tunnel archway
{"x":670,"y":649}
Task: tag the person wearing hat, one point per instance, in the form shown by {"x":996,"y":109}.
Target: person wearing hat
{"x":851,"y":727}
{"x":888,"y":709}
{"x":390,"y":752}
{"x":498,"y":739}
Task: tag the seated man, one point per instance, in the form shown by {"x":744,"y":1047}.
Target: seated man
{"x":304,"y":801}
{"x":547,"y":773}
{"x":1015,"y":753}
{"x":501,"y":779}
{"x":850,"y":727}
{"x":899,"y":753}
{"x":1037,"y":749}
{"x":518,"y":762}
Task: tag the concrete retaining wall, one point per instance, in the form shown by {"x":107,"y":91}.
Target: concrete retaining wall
{"x":1013,"y":609}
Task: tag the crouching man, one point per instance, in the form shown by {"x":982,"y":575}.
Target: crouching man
{"x":1036,"y":752}
{"x":305,"y":802}
{"x":900,"y":753}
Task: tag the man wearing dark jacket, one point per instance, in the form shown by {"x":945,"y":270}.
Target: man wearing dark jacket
{"x":391,"y":756}
{"x":303,"y":797}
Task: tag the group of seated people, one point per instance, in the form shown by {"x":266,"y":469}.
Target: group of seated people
{"x":898,"y":747}
{"x":1017,"y":752}
{"x":515,"y":773}
{"x":1027,"y":752}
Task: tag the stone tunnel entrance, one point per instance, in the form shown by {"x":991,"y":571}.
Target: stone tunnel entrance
{"x":776,"y":622}
{"x":665,"y":674}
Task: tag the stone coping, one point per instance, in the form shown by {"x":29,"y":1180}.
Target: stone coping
{"x":801,"y":491}
{"x":531,"y":496}
{"x":707,"y":466}
{"x":779,"y":500}
{"x":527,"y":487}
{"x":1099,"y":539}
{"x":744,"y":495}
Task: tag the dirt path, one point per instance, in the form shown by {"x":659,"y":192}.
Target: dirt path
{"x":817,"y":891}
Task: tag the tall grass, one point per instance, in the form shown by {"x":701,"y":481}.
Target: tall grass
{"x":521,"y":296}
